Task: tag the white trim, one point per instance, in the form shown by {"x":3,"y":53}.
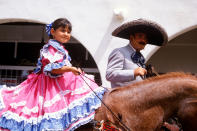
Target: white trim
{"x":57,"y":115}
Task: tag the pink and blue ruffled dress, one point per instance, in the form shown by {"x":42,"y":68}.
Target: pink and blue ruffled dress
{"x":49,"y":102}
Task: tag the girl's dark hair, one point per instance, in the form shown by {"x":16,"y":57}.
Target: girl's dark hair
{"x":61,"y":22}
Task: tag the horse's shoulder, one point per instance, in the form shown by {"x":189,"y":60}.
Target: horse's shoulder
{"x":113,"y":90}
{"x":110,"y":92}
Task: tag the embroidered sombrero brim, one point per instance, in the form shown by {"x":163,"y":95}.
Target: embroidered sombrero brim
{"x":155,"y":33}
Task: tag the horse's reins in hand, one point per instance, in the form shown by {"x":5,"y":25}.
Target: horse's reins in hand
{"x":124,"y":126}
{"x":144,"y":76}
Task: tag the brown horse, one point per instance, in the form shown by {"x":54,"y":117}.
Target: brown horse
{"x":145,"y":105}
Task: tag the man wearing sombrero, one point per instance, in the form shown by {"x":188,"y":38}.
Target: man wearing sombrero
{"x":126,"y":64}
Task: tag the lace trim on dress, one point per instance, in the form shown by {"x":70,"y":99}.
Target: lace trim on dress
{"x":16,"y":105}
{"x":76,"y":110}
{"x":52,"y":101}
{"x":2,"y":105}
{"x":81,"y":122}
{"x":80,"y":102}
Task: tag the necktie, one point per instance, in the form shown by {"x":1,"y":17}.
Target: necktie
{"x":138,"y":58}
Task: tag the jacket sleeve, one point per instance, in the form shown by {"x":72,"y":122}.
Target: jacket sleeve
{"x":115,"y":68}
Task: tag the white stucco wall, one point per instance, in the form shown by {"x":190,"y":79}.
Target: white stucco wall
{"x":94,"y":20}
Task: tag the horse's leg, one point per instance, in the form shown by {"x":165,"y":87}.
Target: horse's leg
{"x":188,"y":116}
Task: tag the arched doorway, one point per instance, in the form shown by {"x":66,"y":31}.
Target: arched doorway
{"x":20,"y":43}
{"x":179,"y":55}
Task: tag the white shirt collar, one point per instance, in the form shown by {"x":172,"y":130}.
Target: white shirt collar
{"x":131,"y":47}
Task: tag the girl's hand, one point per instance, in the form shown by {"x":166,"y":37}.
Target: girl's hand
{"x":76,"y":71}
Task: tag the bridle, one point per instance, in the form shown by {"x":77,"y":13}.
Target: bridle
{"x":119,"y":120}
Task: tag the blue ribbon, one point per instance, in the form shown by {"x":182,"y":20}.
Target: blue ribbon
{"x":48,"y":29}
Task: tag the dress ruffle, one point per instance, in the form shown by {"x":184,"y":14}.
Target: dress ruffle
{"x":70,"y":118}
{"x":49,"y":67}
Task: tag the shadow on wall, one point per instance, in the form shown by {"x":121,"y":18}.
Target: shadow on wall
{"x":179,"y":54}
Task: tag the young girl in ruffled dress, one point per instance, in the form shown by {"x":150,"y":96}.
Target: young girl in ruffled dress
{"x":55,"y":96}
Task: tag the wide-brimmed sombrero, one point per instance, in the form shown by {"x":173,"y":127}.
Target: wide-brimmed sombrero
{"x":155,"y":33}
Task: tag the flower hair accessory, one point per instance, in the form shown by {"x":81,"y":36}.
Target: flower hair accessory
{"x":48,"y":29}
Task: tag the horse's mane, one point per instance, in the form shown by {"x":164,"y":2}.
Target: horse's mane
{"x":170,"y":75}
{"x":167,"y":76}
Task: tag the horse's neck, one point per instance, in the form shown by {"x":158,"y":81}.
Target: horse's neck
{"x":156,"y":91}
